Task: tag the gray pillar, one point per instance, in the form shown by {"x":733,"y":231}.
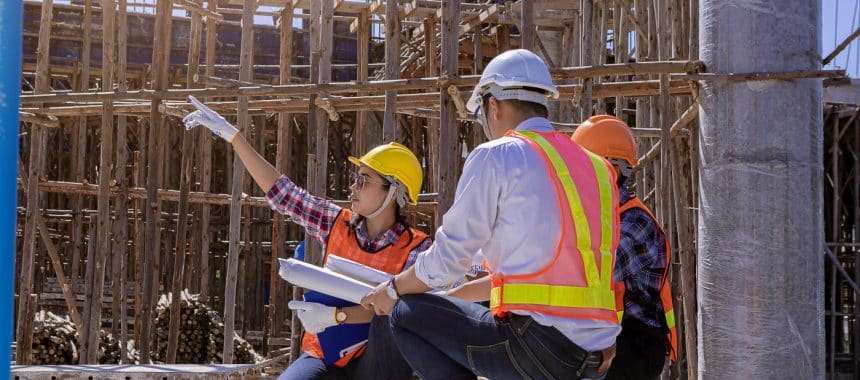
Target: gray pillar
{"x":760,"y":265}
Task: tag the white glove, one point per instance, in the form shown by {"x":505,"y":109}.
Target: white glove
{"x":210,"y":119}
{"x":315,"y":317}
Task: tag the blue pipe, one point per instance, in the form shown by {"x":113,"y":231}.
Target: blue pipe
{"x":11,"y":16}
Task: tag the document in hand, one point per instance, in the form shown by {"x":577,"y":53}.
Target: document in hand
{"x":322,"y":280}
{"x":356,"y":270}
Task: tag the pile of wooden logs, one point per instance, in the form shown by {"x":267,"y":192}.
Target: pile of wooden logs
{"x":201,"y":334}
{"x":55,"y":341}
{"x":243,"y":352}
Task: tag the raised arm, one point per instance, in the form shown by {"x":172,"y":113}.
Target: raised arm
{"x":261,"y":170}
{"x":315,"y":214}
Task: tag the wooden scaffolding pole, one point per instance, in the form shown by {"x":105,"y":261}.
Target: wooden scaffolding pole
{"x":448,"y":124}
{"x":95,"y":284}
{"x":184,"y":188}
{"x":205,"y":162}
{"x":152,"y":235}
{"x":246,"y":59}
{"x":283,"y":155}
{"x":392,"y":69}
{"x":120,"y":231}
{"x":363,"y":56}
{"x":24,"y":333}
{"x":430,"y":69}
{"x":586,"y":54}
{"x":527,"y":25}
{"x":79,"y":144}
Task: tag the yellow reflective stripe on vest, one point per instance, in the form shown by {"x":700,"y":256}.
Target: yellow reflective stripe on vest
{"x":670,"y":319}
{"x":607,"y":218}
{"x":620,"y":316}
{"x":580,"y":223}
{"x":554,"y":295}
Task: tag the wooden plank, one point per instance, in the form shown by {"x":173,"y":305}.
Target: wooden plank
{"x":392,"y":70}
{"x":160,"y":57}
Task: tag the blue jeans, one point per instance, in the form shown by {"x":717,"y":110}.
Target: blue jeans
{"x":381,"y":360}
{"x":448,"y":338}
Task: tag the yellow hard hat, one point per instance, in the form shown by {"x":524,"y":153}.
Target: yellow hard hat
{"x":395,"y":160}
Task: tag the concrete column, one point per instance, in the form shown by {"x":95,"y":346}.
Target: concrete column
{"x":760,"y":268}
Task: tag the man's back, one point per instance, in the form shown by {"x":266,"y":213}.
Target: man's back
{"x":506,"y":185}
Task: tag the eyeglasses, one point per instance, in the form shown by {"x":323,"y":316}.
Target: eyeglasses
{"x":360,"y":179}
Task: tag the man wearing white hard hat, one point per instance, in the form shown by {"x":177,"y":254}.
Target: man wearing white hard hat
{"x":543,"y":213}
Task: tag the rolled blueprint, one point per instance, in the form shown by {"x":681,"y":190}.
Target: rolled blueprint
{"x":322,"y":280}
{"x":355,"y":270}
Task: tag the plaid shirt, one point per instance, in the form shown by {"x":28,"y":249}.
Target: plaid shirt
{"x":640,"y":262}
{"x":317,"y":215}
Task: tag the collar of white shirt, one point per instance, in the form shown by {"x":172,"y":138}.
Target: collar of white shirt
{"x":536,"y":124}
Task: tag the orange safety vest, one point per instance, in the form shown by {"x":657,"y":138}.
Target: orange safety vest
{"x":577,"y":282}
{"x":391,"y":259}
{"x":665,"y":288}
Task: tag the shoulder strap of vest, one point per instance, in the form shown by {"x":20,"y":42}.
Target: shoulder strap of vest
{"x":339,"y":230}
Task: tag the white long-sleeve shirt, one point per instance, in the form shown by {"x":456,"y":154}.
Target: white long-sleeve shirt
{"x":506,"y":207}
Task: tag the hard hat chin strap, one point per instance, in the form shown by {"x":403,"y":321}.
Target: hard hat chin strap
{"x":392,"y":190}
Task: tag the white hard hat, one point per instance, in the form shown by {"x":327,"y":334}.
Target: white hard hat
{"x":514,"y":74}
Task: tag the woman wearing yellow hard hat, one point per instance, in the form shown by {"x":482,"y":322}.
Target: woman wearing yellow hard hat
{"x":342,"y":339}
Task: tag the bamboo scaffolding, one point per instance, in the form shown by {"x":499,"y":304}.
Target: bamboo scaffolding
{"x":650,"y":83}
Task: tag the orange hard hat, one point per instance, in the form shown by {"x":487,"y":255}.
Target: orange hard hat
{"x":607,"y":136}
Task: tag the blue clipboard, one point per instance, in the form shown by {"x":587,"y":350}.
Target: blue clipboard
{"x":338,"y":341}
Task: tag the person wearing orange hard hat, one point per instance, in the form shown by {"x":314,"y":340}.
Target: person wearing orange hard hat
{"x":648,"y":331}
{"x":343,"y":340}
